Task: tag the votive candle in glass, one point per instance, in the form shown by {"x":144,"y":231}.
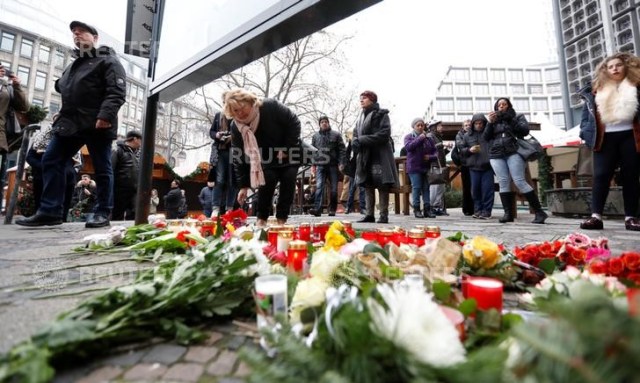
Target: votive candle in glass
{"x":297,"y":255}
{"x":320,"y":231}
{"x":384,"y":236}
{"x":284,"y":237}
{"x":416,"y":237}
{"x":432,"y":232}
{"x":486,"y":291}
{"x":304,"y":231}
{"x":369,"y":235}
{"x":272,"y":234}
{"x":399,"y":236}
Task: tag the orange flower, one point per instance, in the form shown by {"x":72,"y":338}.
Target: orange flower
{"x":616,"y":266}
{"x":599,"y":266}
{"x":631,"y":260}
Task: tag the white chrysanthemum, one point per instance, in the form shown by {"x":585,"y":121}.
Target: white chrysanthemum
{"x":414,"y":322}
{"x":325,"y":263}
{"x":309,"y":293}
{"x":252,"y":249}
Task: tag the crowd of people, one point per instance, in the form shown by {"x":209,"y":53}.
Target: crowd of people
{"x":257,"y":149}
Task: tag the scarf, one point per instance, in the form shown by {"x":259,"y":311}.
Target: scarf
{"x":617,"y":103}
{"x":248,"y":128}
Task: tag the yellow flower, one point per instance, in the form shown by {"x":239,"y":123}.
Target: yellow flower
{"x":481,"y":253}
{"x":334,"y":239}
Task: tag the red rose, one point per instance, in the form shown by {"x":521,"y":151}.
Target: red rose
{"x":616,"y":266}
{"x":635,"y":278}
{"x":631,"y":260}
{"x":599,"y":266}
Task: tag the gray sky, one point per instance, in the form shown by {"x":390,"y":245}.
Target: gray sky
{"x":401,"y":49}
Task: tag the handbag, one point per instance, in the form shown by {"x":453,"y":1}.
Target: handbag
{"x":437,"y":174}
{"x":529,"y":148}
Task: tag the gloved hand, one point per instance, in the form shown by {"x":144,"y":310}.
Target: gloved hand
{"x":355,"y":145}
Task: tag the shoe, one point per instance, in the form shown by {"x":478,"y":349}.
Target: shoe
{"x":38,"y":219}
{"x":367,"y":218}
{"x":540,"y":217}
{"x":314,"y":212}
{"x":632,"y":224}
{"x":332,"y":214}
{"x":383,"y":219}
{"x":348,"y":211}
{"x":594,"y":223}
{"x":97,"y":221}
{"x":466,"y":213}
{"x":476,"y":215}
{"x":484,"y":216}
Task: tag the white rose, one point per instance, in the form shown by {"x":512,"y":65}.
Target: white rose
{"x":309,"y":293}
{"x":324,"y":263}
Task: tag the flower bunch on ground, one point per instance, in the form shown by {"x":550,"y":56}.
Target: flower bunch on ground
{"x":626,"y":266}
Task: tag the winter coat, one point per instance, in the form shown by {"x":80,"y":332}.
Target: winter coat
{"x":459,"y":139}
{"x":375,"y":165}
{"x":220,"y":124}
{"x":475,"y":161}
{"x":502,"y":133}
{"x":125,"y":163}
{"x":92,"y":87}
{"x":331,"y":149}
{"x":17,"y":99}
{"x":206,"y":197}
{"x":351,"y":161}
{"x":79,"y":195}
{"x":441,"y":159}
{"x":417,"y":147}
{"x":278,"y":129}
{"x":172,"y":202}
{"x":153,"y":204}
{"x":592,"y":129}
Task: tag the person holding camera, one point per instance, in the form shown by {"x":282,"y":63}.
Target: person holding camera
{"x":222,"y":174}
{"x":84,"y":196}
{"x":420,"y":151}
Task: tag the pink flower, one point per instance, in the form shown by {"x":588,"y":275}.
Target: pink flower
{"x":597,"y":252}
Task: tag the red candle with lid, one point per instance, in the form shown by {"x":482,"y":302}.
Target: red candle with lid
{"x":399,"y":236}
{"x":320,"y":231}
{"x":384,"y":236}
{"x":416,"y":237}
{"x":304,"y":231}
{"x":272,"y":234}
{"x":486,"y":291}
{"x":432,"y":232}
{"x":369,"y":235}
{"x":296,"y":255}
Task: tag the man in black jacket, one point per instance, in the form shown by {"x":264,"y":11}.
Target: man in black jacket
{"x":93,"y":88}
{"x":125,"y":161}
{"x":329,"y":158}
{"x":224,"y":192}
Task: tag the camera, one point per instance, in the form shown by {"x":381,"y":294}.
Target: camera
{"x":8,"y":73}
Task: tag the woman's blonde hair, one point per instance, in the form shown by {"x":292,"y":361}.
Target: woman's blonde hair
{"x":631,"y":65}
{"x":233,"y":98}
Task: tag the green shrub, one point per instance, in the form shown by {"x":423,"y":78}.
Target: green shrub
{"x":453,"y":198}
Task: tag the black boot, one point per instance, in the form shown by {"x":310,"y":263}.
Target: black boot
{"x":427,"y":212}
{"x":534,"y":203}
{"x":417,"y":213}
{"x":507,"y":205}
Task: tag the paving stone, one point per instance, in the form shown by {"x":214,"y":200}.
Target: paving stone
{"x":231,"y":380}
{"x":215,"y":336}
{"x":125,"y":360}
{"x":224,"y":364}
{"x":145,"y":371}
{"x":201,"y":354}
{"x":165,"y":354}
{"x":235,"y":342}
{"x":184,"y":372}
{"x":103,"y":374}
{"x":243,"y":370}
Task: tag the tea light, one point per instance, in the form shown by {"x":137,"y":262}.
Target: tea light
{"x":416,"y":237}
{"x":304,"y":231}
{"x":207,"y":228}
{"x":297,"y":255}
{"x":284,"y":237}
{"x":486,"y":291}
{"x":432,"y":232}
{"x":272,"y":234}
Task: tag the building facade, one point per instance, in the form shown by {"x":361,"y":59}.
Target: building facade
{"x":533,"y":90}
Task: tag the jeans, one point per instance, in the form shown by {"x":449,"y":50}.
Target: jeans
{"x":287,"y":177}
{"x":419,"y":188}
{"x":617,"y":148}
{"x":437,"y":196}
{"x":55,"y":160}
{"x":361,"y":197}
{"x":509,"y":168}
{"x":322,"y":172}
{"x":224,"y":192}
{"x":482,"y":190}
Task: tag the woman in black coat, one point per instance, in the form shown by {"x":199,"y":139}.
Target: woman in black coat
{"x":173,"y":200}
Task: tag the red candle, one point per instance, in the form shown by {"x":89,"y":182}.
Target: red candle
{"x":416,"y":237}
{"x":486,"y":291}
{"x":464,"y":280}
{"x":320,"y":231}
{"x":399,"y":236}
{"x":296,"y":255}
{"x":633,"y":297}
{"x":384,"y":236}
{"x":304,"y":231}
{"x":433,"y":232}
{"x":272,"y":235}
{"x":369,"y":235}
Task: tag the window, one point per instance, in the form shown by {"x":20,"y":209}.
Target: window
{"x":553,"y":88}
{"x":460,"y":74}
{"x":5,"y":64}
{"x":535,"y":89}
{"x":480,"y":75}
{"x":464,"y":104}
{"x":482,"y":89}
{"x":517,"y":89}
{"x":44,"y":53}
{"x":41,"y":80}
{"x":556,"y":103}
{"x":499,"y":90}
{"x":125,"y":109}
{"x":445,"y":89}
{"x":23,"y":73}
{"x":558,"y":119}
{"x":497,"y":74}
{"x":54,"y":108}
{"x":37,"y":101}
{"x":59,"y":59}
{"x":552,"y":74}
{"x":139,"y":114}
{"x":515,"y":75}
{"x":534,"y":76}
{"x":483,"y":104}
{"x":521,"y":104}
{"x":444,"y":104}
{"x":540,"y":104}
{"x":132,"y":111}
{"x":446,"y":117}
{"x":134,"y":92}
{"x":463,"y":89}
{"x":26,"y":48}
{"x":8,"y":41}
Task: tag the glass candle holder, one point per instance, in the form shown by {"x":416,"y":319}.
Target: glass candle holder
{"x":399,"y":236}
{"x":486,"y":291}
{"x":432,"y":232}
{"x":320,"y":231}
{"x":348,"y":227}
{"x":304,"y":231}
{"x":297,"y":255}
{"x":416,"y":237}
{"x":369,"y":235}
{"x":284,"y":237}
{"x":384,"y":236}
{"x":272,"y":234}
{"x":207,"y":228}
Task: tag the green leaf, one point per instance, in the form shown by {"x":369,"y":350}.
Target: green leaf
{"x":547,"y":265}
{"x":510,"y":320}
{"x":468,"y":307}
{"x":441,"y":290}
{"x":375,"y":248}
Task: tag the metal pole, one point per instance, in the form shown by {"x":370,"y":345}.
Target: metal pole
{"x":607,"y":27}
{"x":146,"y":160}
{"x":22,"y":156}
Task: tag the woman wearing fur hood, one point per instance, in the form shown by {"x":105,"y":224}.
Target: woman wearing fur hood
{"x":610,"y":126}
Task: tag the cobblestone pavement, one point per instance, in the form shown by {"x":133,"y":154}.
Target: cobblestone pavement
{"x":41,"y":277}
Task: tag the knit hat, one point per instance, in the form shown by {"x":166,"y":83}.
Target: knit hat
{"x":415,"y":122}
{"x":370,"y":95}
{"x":133,"y":134}
{"x":433,"y":123}
{"x":322,"y":119}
